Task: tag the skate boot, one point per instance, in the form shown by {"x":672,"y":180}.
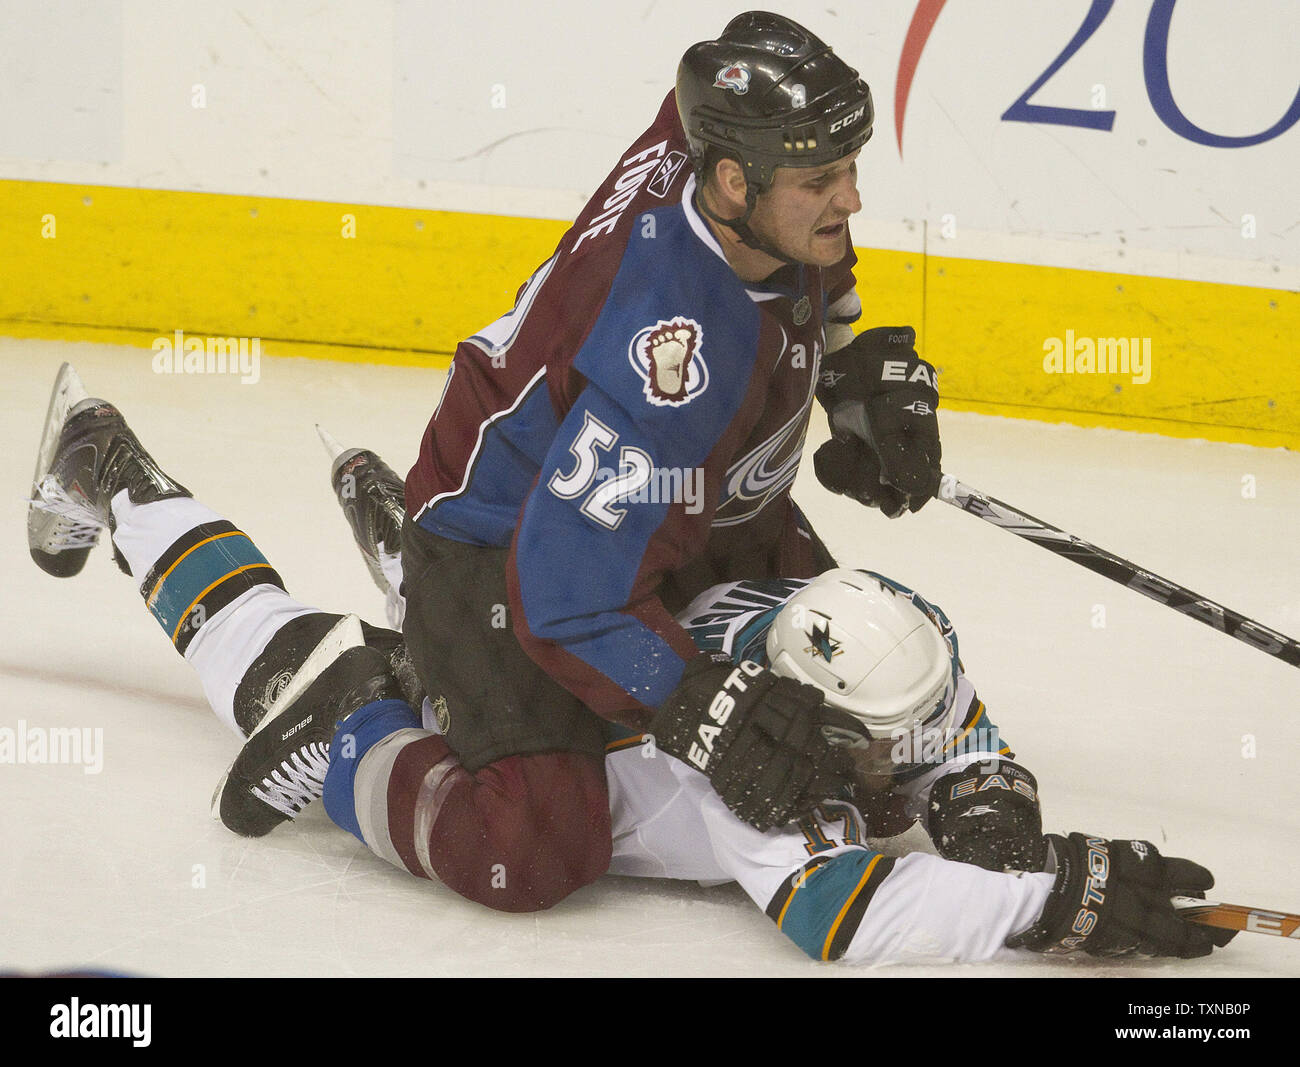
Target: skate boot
{"x":373,"y":499}
{"x":282,"y":766}
{"x":88,"y":455}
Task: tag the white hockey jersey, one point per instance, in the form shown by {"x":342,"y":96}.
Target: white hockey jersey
{"x":825,"y":882}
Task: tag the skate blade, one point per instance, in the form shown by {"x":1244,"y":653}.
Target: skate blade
{"x":344,"y":634}
{"x":68,"y":392}
{"x":65,"y":562}
{"x":327,"y":439}
{"x":338,"y":454}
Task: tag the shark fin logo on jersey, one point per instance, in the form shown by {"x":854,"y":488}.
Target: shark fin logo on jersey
{"x":662,"y":179}
{"x":667,"y":357}
{"x":735,"y":77}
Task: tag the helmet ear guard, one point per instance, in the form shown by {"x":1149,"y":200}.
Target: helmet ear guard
{"x":872,"y":652}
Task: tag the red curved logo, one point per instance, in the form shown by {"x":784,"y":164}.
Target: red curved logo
{"x":923,"y":20}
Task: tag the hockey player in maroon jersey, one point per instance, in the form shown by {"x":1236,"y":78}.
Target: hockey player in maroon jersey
{"x":677,"y":337}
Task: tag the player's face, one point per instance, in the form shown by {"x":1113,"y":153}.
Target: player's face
{"x":875,"y":763}
{"x":806,"y":211}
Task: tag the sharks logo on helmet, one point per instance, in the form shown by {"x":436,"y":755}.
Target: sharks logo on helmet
{"x":822,"y":644}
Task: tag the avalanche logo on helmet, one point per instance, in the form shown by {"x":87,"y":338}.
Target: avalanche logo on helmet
{"x":666,"y":357}
{"x":734,"y":77}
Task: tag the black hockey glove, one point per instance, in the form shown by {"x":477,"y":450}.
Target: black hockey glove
{"x":878,"y":390}
{"x":758,"y":738}
{"x":1111,"y":898}
{"x":987,"y":814}
{"x":846,"y":465}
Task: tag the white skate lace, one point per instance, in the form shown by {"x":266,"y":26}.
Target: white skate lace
{"x":81,"y":526}
{"x":297,"y":781}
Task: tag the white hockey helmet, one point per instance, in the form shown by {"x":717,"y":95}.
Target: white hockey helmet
{"x":872,"y":651}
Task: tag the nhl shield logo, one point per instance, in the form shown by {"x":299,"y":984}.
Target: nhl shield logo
{"x":667,"y":357}
{"x":441,"y":714}
{"x":733,"y":77}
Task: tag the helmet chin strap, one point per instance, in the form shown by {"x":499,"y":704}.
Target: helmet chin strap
{"x":741,"y":225}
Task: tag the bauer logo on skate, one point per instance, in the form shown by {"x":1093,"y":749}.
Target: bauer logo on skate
{"x":179,"y":354}
{"x":1101,"y":355}
{"x":56,"y":744}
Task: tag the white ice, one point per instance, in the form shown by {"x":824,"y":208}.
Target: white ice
{"x":1137,"y":722}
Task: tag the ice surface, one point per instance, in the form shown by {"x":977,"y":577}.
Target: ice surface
{"x":1134,"y":720}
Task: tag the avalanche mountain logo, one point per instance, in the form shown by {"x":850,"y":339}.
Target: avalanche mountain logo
{"x":667,"y":358}
{"x":735,"y":77}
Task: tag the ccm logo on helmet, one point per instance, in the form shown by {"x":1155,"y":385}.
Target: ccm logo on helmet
{"x":848,"y":120}
{"x":720,"y":709}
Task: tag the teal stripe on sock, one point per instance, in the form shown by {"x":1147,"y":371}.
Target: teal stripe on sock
{"x":200,"y":569}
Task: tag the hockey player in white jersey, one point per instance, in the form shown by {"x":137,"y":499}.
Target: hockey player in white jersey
{"x":325,"y":704}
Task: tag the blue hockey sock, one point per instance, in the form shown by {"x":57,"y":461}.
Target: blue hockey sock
{"x":355,"y":736}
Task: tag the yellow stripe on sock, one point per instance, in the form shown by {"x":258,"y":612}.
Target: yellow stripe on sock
{"x":186,"y":613}
{"x":153,"y":596}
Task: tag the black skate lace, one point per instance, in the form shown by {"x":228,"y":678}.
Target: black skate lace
{"x":297,"y":781}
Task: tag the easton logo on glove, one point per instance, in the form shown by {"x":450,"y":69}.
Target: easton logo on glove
{"x":757,"y":737}
{"x":880,"y":395}
{"x":897,"y":370}
{"x":1094,"y":892}
{"x":719,"y":710}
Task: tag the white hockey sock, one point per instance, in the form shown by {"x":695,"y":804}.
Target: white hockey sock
{"x":214,"y":594}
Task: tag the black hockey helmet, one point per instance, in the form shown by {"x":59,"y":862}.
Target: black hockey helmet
{"x":771,"y":94}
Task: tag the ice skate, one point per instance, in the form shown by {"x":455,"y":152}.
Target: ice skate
{"x":373,"y":500}
{"x":282,"y":766}
{"x":87,"y":456}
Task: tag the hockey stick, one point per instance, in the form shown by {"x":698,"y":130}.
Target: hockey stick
{"x":1110,"y":566}
{"x":1238,"y":917}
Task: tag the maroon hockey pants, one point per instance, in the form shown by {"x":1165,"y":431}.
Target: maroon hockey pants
{"x":520,"y":834}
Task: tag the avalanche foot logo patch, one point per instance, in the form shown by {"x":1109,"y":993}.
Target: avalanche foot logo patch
{"x":667,"y":358}
{"x":734,"y":77}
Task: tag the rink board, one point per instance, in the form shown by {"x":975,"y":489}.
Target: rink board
{"x":399,"y":285}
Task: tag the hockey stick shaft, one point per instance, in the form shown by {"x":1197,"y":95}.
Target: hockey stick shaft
{"x":1108,"y":565}
{"x":1238,"y":917}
